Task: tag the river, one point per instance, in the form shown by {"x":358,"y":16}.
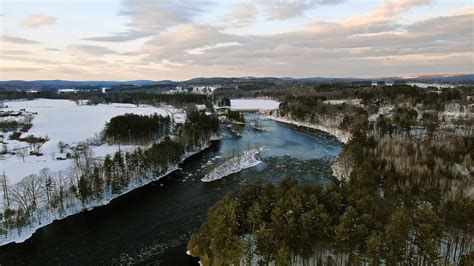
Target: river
{"x":151,"y":225}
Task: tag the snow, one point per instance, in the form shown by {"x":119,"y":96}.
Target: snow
{"x":339,"y":134}
{"x":67,"y":90}
{"x":426,"y":85}
{"x":234,"y":165}
{"x":64,"y":120}
{"x":383,"y":110}
{"x":200,"y":107}
{"x":176,"y":114}
{"x":76,"y":206}
{"x":355,"y":102}
{"x":252,"y":104}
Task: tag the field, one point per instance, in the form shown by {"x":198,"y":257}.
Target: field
{"x":62,"y":120}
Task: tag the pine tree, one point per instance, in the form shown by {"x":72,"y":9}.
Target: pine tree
{"x":84,"y":190}
{"x":98,"y":183}
{"x":397,"y":236}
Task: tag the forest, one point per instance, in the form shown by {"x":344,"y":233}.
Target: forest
{"x":136,"y":129}
{"x":413,"y":216}
{"x":402,"y":192}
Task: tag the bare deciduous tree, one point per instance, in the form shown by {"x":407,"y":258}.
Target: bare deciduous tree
{"x":21,"y":153}
{"x":6,"y":197}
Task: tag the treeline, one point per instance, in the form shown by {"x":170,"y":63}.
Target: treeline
{"x":91,"y":181}
{"x":137,"y":129}
{"x":9,"y":122}
{"x":177,"y":100}
{"x":430,"y":97}
{"x":314,"y":110}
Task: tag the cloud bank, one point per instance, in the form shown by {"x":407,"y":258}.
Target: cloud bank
{"x":183,"y":39}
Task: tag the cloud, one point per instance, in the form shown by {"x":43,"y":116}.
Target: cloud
{"x":16,"y":40}
{"x":19,"y":69}
{"x":332,"y":49}
{"x":14,"y":52}
{"x":119,"y":37}
{"x":286,"y":9}
{"x":385,"y":12}
{"x":242,"y":14}
{"x":175,"y":43}
{"x":154,"y":17}
{"x":89,"y":50}
{"x":38,"y":20}
{"x":28,"y":59}
{"x":182,"y":42}
{"x":201,"y":50}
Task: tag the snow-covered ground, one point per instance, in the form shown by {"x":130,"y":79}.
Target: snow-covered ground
{"x":356,"y":102}
{"x":63,"y":120}
{"x":234,"y":165}
{"x":177,"y":115}
{"x":76,"y":206}
{"x":383,"y":110}
{"x":253,"y":104}
{"x":426,"y":85}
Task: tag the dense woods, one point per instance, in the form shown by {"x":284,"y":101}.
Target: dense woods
{"x":402,"y":192}
{"x":376,"y":216}
{"x":135,"y":129}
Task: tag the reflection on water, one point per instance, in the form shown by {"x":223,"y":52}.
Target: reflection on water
{"x":152,"y":224}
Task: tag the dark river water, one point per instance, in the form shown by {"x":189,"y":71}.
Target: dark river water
{"x":151,"y":225}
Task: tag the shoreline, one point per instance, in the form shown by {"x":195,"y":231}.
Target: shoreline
{"x":340,"y":135}
{"x":29,"y":231}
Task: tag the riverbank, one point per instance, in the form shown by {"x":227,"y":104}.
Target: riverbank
{"x":340,"y":135}
{"x":77,"y":207}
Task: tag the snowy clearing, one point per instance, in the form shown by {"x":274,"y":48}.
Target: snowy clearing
{"x":66,"y":121}
{"x":253,"y":104}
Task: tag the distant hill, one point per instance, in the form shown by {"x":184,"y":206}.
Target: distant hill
{"x":241,"y":82}
{"x":65,"y":84}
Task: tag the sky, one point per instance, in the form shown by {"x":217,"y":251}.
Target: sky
{"x":183,"y":39}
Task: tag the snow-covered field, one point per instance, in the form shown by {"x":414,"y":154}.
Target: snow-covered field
{"x":63,"y":120}
{"x":253,"y":104}
{"x":234,"y":165}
